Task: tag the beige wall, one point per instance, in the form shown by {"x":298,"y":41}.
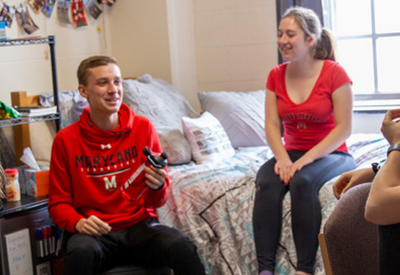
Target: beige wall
{"x":235,"y":43}
{"x":196,"y":45}
{"x":139,"y":38}
{"x":27,"y":68}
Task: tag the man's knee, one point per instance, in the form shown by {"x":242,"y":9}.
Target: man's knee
{"x":83,"y":247}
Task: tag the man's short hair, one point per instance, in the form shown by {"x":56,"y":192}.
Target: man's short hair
{"x":93,"y":62}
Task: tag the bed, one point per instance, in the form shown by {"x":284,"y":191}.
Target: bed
{"x":212,"y":205}
{"x":213,"y":159}
{"x":212,"y":193}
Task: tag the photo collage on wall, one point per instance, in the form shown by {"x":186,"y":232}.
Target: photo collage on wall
{"x":6,"y":14}
{"x":25,"y":20}
{"x":66,"y":10}
{"x":44,"y":6}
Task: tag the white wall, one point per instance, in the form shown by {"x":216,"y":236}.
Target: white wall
{"x":27,"y":68}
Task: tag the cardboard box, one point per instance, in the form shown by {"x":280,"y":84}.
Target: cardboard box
{"x":34,"y":183}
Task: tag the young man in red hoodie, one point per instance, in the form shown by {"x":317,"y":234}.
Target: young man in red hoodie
{"x":92,"y":163}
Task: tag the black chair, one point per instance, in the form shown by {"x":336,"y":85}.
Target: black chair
{"x":137,"y":270}
{"x":123,"y":269}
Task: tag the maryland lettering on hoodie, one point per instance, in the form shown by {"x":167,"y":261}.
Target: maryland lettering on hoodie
{"x":105,"y":160}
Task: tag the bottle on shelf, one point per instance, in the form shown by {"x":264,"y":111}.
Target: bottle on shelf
{"x":13,"y":192}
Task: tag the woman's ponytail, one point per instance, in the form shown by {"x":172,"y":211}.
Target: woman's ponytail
{"x":325,"y":47}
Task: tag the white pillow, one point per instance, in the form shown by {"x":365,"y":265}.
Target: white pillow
{"x":242,"y":114}
{"x":207,"y":138}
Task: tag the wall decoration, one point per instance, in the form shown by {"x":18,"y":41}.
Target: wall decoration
{"x":25,"y":20}
{"x":36,"y":5}
{"x":78,"y":14}
{"x":6,"y":14}
{"x":47,"y":8}
{"x":108,"y":2}
{"x":92,"y":8}
{"x":62,"y":11}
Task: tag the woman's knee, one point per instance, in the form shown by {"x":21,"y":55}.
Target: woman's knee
{"x":301,"y":185}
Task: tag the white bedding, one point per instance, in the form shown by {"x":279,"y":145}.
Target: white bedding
{"x":212,"y":204}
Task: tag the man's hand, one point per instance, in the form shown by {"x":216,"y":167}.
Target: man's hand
{"x":154,"y":177}
{"x":390,"y":128}
{"x":92,"y":226}
{"x":350,"y":179}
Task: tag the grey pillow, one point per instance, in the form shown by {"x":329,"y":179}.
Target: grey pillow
{"x":175,"y":145}
{"x":164,"y":106}
{"x":158,"y":101}
{"x":242,"y":114}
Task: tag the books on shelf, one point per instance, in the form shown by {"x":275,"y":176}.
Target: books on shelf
{"x":29,"y":111}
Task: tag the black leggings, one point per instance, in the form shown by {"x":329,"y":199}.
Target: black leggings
{"x":305,"y":207}
{"x":145,"y":243}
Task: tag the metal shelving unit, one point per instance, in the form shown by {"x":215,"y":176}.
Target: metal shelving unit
{"x":50,"y":40}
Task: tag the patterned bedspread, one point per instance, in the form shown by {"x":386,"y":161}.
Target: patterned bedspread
{"x":212,"y":204}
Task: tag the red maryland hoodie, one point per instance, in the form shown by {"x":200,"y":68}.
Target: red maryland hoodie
{"x":89,"y":165}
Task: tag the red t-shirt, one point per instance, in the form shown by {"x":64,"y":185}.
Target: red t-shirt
{"x":307,"y":123}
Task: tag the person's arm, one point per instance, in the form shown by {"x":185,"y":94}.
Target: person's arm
{"x":274,"y":139}
{"x":156,"y":179}
{"x":92,"y":226}
{"x":350,"y":179}
{"x":60,"y":203}
{"x":342,"y":100}
{"x":383,"y":204}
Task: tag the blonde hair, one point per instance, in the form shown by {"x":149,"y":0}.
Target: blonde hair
{"x":309,"y":22}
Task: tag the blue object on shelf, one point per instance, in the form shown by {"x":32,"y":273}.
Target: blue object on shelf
{"x":3,"y":31}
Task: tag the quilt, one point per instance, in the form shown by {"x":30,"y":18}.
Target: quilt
{"x":212,"y":204}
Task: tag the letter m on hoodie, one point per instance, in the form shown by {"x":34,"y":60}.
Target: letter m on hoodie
{"x":110,"y":185}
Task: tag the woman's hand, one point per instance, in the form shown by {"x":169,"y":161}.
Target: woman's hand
{"x":154,"y":177}
{"x":283,"y":168}
{"x":350,"y":179}
{"x":286,"y":168}
{"x":299,"y":164}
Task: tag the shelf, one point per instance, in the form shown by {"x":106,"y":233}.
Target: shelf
{"x":50,"y":40}
{"x":21,"y":131}
{"x":26,"y":202}
{"x":27,"y":41}
{"x":27,"y":120}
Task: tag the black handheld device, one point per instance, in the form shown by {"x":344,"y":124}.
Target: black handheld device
{"x":157,"y":161}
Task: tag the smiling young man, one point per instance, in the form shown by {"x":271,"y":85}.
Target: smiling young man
{"x":91,"y":161}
